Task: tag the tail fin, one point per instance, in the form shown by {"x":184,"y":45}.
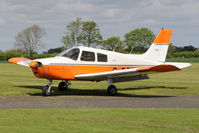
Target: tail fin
{"x":158,"y":49}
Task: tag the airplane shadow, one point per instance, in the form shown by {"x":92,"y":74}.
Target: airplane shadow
{"x":90,"y":92}
{"x":150,"y":87}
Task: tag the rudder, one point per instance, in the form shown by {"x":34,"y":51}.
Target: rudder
{"x":158,"y":49}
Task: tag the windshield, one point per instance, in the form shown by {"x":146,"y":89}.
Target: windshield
{"x":72,"y":54}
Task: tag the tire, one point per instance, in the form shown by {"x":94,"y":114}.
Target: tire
{"x":45,"y":91}
{"x":111,"y":90}
{"x":63,"y":86}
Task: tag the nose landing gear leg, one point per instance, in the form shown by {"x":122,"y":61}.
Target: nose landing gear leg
{"x":46,"y":91}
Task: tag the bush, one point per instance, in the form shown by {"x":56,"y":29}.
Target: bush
{"x":186,"y":54}
{"x":6,"y":56}
{"x":37,"y":56}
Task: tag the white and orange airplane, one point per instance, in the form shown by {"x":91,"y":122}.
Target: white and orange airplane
{"x":90,"y":64}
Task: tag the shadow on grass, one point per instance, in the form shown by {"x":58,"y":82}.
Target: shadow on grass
{"x":94,"y":92}
{"x":31,"y":87}
{"x":151,"y":87}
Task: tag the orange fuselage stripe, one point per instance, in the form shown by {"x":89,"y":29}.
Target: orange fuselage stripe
{"x":68,"y":72}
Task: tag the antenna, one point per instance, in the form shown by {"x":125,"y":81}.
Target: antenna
{"x":132,"y":49}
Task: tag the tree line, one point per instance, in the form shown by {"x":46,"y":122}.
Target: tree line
{"x":87,"y":33}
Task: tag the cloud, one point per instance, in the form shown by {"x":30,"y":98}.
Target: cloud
{"x":115,"y":17}
{"x":2,"y":21}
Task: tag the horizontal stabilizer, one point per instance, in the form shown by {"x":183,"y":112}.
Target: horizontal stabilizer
{"x":159,"y":68}
{"x":179,"y":65}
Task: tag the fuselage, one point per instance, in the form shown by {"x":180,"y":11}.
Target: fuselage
{"x":84,"y":60}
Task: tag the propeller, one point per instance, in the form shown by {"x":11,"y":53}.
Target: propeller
{"x":35,"y":64}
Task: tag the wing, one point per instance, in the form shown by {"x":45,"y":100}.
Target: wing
{"x":20,"y":61}
{"x":129,"y":72}
{"x":106,"y":75}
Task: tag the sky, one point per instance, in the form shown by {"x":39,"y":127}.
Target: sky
{"x":114,"y":18}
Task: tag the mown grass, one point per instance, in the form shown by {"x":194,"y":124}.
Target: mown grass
{"x":99,"y":120}
{"x":18,"y":80}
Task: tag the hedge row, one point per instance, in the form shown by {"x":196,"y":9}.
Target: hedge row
{"x":186,"y":54}
{"x":5,"y":56}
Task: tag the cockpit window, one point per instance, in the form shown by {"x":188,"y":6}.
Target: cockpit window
{"x":101,"y":57}
{"x":87,"y":56}
{"x":72,"y":54}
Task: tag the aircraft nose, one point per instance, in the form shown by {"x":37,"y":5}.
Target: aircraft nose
{"x":33,"y":64}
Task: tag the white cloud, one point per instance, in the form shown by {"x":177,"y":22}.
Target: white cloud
{"x":115,"y":17}
{"x":2,"y":21}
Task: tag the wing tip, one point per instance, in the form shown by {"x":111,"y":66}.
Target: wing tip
{"x":15,"y":60}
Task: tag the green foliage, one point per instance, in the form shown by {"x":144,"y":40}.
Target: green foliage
{"x":191,"y":60}
{"x":16,"y":52}
{"x":55,"y":50}
{"x":139,"y":39}
{"x":91,"y":36}
{"x":113,"y":43}
{"x":86,"y":33}
{"x":37,"y":56}
{"x":5,"y":56}
{"x":73,"y":33}
{"x":171,"y":48}
{"x":186,"y":54}
{"x":185,"y":48}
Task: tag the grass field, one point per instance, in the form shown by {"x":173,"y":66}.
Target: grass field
{"x":18,"y":80}
{"x":100,"y":120}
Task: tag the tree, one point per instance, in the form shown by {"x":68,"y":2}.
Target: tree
{"x":189,"y":48}
{"x":30,"y":39}
{"x":139,"y":40}
{"x":171,"y":49}
{"x":113,"y":44}
{"x":73,"y":34}
{"x":91,"y":36}
{"x":185,"y":48}
{"x":55,"y":50}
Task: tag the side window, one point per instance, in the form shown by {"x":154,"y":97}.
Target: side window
{"x":101,"y":57}
{"x":87,"y":56}
{"x":72,"y":54}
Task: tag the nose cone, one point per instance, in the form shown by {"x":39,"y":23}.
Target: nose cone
{"x":33,"y":64}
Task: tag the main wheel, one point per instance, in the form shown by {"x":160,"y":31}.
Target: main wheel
{"x":63,"y":86}
{"x":111,"y":90}
{"x":46,"y":91}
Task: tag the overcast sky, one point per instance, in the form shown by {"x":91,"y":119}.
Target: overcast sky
{"x":114,"y":18}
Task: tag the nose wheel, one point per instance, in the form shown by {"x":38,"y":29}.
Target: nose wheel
{"x":63,"y":86}
{"x":46,"y":91}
